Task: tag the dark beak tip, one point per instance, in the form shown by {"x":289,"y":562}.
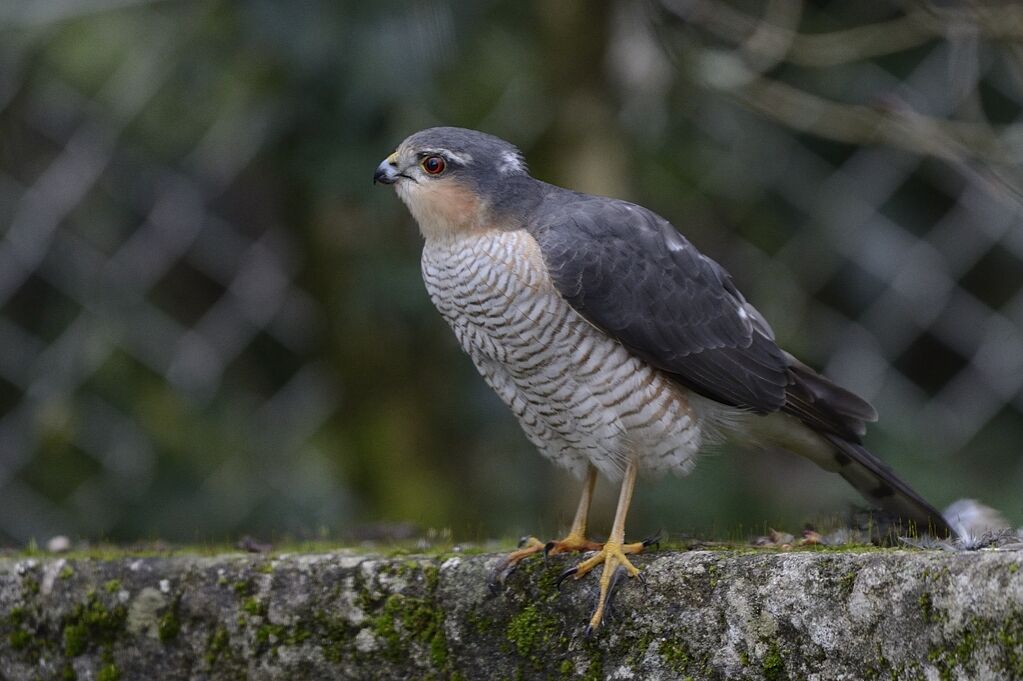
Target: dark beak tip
{"x":381,"y":176}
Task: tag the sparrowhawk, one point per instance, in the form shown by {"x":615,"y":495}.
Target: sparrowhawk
{"x":619,"y":347}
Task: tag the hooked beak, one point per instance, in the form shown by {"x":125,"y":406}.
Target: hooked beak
{"x":387,"y":171}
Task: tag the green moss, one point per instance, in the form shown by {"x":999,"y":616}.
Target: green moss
{"x":274,"y":635}
{"x":419,"y":620}
{"x":243,"y":587}
{"x":76,"y":639}
{"x":431,"y":573}
{"x":773,"y":665}
{"x":595,"y":670}
{"x":538,"y":574}
{"x":267,"y":633}
{"x":566,"y":667}
{"x":334,"y":635}
{"x":221,"y":659}
{"x":66,"y":572}
{"x":482,"y":624}
{"x":1006,"y":635}
{"x":439,"y":651}
{"x":217,"y":645}
{"x":926,"y":607}
{"x":169,"y":626}
{"x":384,"y":625}
{"x":67,"y":673}
{"x":253,"y":606}
{"x":1010,"y":639}
{"x":405,"y":624}
{"x":535,"y":634}
{"x":635,"y":649}
{"x":675,"y":655}
{"x":297,"y":635}
{"x":113,"y":586}
{"x":1013,"y":568}
{"x":30,"y":585}
{"x":92,"y":623}
{"x":290,"y":636}
{"x":712,"y":572}
{"x":19,"y":639}
{"x":847,"y":583}
{"x":108,"y":672}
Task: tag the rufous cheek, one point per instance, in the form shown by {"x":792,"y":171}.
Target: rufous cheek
{"x":443,"y":206}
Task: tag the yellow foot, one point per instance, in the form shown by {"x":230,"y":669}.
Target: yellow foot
{"x":616,"y":568}
{"x":575,"y":541}
{"x":527,"y":547}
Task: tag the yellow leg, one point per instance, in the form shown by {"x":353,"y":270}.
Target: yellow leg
{"x":575,"y":540}
{"x":612,"y":554}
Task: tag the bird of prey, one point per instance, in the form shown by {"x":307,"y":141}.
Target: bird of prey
{"x":620,"y":348}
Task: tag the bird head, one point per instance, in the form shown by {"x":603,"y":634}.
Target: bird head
{"x":451,"y":179}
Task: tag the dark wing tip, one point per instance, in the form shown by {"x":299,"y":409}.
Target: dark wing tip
{"x":825,"y":406}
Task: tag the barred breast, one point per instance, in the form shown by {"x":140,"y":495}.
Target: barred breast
{"x":578,"y":394}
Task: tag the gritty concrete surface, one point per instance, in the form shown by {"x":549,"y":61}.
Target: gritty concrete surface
{"x":730,"y":614}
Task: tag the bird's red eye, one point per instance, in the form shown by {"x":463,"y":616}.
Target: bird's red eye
{"x":434,"y":165}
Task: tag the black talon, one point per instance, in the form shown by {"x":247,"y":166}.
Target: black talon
{"x":498,"y":575}
{"x":523,"y":540}
{"x":620,"y":575}
{"x":655,"y":540}
{"x":547,"y":552}
{"x":565,"y":575}
{"x":587,"y":631}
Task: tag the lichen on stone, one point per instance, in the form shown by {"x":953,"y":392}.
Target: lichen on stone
{"x":700,"y":614}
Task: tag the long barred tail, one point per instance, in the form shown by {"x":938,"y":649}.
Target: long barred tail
{"x":876,"y":481}
{"x":840,"y":417}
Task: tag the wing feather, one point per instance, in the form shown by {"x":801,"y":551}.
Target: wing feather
{"x":630,"y":273}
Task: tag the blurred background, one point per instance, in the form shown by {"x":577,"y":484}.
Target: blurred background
{"x":211,"y":324}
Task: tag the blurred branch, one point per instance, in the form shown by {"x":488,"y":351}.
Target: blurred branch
{"x":34,"y":13}
{"x":772,"y":38}
{"x":916,"y":27}
{"x":981,"y":151}
{"x":892,"y":123}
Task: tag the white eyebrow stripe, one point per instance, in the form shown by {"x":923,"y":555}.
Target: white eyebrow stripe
{"x":463,"y":159}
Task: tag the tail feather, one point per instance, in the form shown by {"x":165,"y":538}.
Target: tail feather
{"x":840,"y":417}
{"x":876,"y":481}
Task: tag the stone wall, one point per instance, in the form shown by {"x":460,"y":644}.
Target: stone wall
{"x":346,"y":615}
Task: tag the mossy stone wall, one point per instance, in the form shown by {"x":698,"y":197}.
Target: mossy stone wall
{"x":346,"y":615}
